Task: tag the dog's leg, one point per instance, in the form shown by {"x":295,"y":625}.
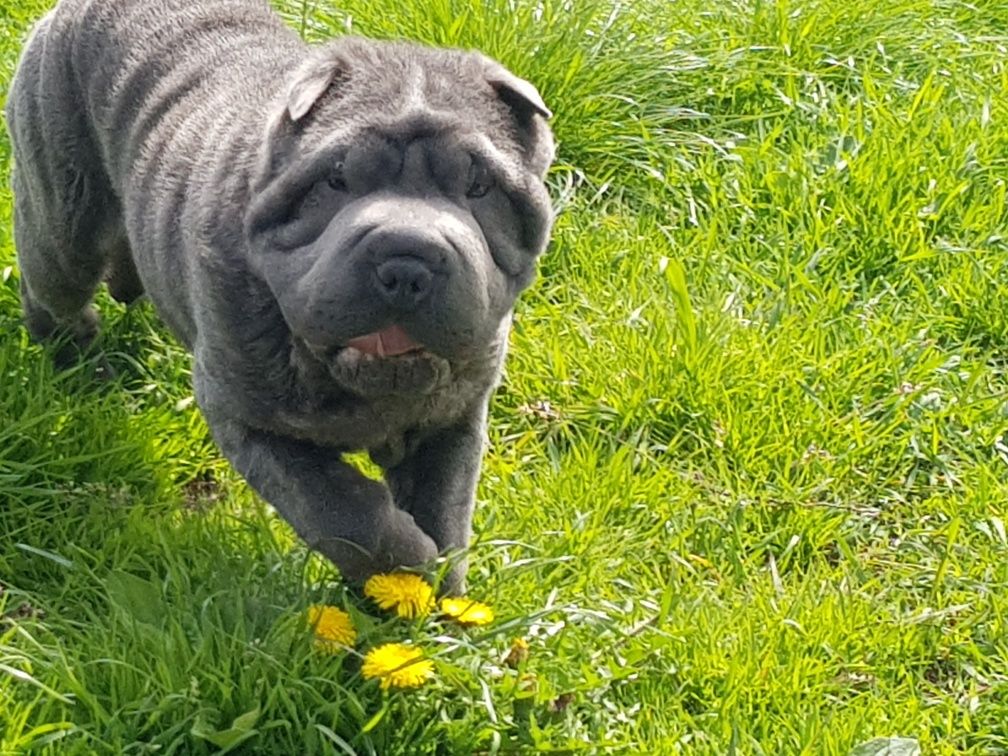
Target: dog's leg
{"x":64,"y":210}
{"x":123,"y":281}
{"x":346,"y":516}
{"x":436,"y":483}
{"x":59,"y":270}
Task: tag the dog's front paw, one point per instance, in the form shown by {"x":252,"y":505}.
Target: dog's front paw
{"x":395,"y":541}
{"x":454,"y":581}
{"x":403,"y":544}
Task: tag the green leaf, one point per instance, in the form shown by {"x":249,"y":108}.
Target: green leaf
{"x":139,"y":598}
{"x":373,"y":722}
{"x":247,"y":720}
{"x":675,"y":277}
{"x":888,"y":747}
{"x":20,"y":674}
{"x":46,"y":734}
{"x":336,"y":739}
{"x":52,"y":556}
{"x":241,"y":729}
{"x":364,"y":623}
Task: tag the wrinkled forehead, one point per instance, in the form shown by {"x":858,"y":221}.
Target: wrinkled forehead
{"x":413,"y":99}
{"x":442,"y":141}
{"x":427,"y":81}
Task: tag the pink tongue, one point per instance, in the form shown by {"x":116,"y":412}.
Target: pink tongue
{"x":387,"y":343}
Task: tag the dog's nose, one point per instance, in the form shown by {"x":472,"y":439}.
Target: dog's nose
{"x":404,"y":281}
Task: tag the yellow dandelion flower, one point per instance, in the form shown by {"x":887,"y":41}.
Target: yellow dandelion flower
{"x":410,"y":595}
{"x":332,"y":627}
{"x":397,"y":666}
{"x":467,"y":612}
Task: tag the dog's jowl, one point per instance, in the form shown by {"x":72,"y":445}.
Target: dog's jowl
{"x":337,"y":233}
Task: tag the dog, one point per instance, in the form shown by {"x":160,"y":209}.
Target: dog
{"x":338,"y":234}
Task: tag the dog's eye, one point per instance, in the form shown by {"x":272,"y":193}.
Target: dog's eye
{"x":480,"y":180}
{"x":336,"y":180}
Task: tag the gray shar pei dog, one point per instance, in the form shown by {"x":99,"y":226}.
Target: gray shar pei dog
{"x":337,"y":234}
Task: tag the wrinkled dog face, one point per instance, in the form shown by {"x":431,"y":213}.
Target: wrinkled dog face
{"x":400,"y":209}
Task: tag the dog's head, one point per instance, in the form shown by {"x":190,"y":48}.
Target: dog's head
{"x":400,"y":207}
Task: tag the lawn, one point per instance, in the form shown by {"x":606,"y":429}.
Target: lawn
{"x":748,"y":468}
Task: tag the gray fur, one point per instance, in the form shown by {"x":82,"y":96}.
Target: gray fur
{"x":276,"y":202}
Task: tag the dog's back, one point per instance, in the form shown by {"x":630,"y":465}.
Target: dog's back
{"x":127,"y":64}
{"x":113,"y":110}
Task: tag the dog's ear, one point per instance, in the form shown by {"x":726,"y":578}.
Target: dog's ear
{"x":520,"y":95}
{"x":311,"y":80}
{"x":526,"y":104}
{"x":323,"y":68}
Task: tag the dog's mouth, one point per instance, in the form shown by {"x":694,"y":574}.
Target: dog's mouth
{"x":388,"y":342}
{"x":384,"y":362}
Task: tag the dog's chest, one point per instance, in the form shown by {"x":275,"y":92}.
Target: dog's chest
{"x":384,"y":425}
{"x":319,"y":409}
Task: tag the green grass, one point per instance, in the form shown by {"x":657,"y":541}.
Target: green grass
{"x":748,"y":475}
